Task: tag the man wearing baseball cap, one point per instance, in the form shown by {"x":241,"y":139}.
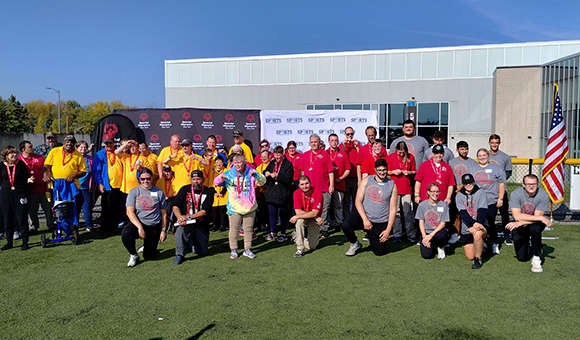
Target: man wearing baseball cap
{"x":189,"y":162}
{"x":472,"y":205}
{"x":239,"y":140}
{"x":192,"y":209}
{"x":51,"y":142}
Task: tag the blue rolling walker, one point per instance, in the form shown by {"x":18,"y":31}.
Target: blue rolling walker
{"x":63,"y":231}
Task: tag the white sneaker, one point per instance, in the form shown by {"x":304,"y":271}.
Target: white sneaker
{"x":495,"y":248}
{"x":16,"y":235}
{"x":353,"y":248}
{"x":454,"y":238}
{"x":537,"y":264}
{"x":140,"y":250}
{"x":440,"y":253}
{"x":133,"y":259}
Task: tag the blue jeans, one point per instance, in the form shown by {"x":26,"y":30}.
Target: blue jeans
{"x":86,"y":204}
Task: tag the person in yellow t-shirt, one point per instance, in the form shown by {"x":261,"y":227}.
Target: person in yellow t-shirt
{"x":220,"y":201}
{"x":132,"y":163}
{"x":239,"y":140}
{"x":207,"y":154}
{"x":170,"y":155}
{"x":188,"y":162}
{"x":151,"y":158}
{"x":167,"y":183}
{"x":65,"y":162}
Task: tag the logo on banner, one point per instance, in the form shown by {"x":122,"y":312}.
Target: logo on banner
{"x":337,"y":120}
{"x":186,"y":123}
{"x":283,"y":132}
{"x":154,"y":145}
{"x":299,"y":144}
{"x":251,"y":125}
{"x":196,"y":145}
{"x":276,"y":144}
{"x":315,"y":120}
{"x":294,"y":120}
{"x":218,"y":138}
{"x":273,"y":120}
{"x":305,"y":132}
{"x":229,"y":125}
{"x":186,"y":116}
{"x":197,"y":137}
{"x":144,"y":123}
{"x":358,"y":120}
{"x":154,"y":138}
{"x":111,"y":129}
{"x":143,"y":116}
{"x":325,"y":131}
{"x":208,"y":124}
{"x":165,"y":124}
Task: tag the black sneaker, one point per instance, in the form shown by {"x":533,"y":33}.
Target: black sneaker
{"x":6,"y":247}
{"x":476,"y":263}
{"x":508,"y":240}
{"x":324,"y":234}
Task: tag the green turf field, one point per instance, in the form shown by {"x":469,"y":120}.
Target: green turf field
{"x":87,"y":292}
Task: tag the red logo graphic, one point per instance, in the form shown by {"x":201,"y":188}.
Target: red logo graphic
{"x":197,"y":138}
{"x":165,"y":116}
{"x":111,"y":129}
{"x":432,"y":217}
{"x":460,"y":169}
{"x":229,"y":117}
{"x":186,"y":115}
{"x":145,"y":203}
{"x":250,"y":118}
{"x":470,"y":206}
{"x":375,"y":193}
{"x":218,"y":138}
{"x":143,"y":116}
{"x":493,"y":161}
{"x":528,"y":208}
{"x":207,"y":117}
{"x":154,"y":138}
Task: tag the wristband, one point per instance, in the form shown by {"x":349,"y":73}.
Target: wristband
{"x":501,"y":199}
{"x":163,"y":230}
{"x":416,"y":194}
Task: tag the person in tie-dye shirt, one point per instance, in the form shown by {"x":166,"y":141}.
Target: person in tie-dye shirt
{"x":240,"y":182}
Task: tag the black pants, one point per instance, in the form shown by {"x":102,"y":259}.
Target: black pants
{"x":14,"y":206}
{"x":522,"y":237}
{"x":262,"y":217}
{"x":491,"y":227}
{"x":282,"y":210}
{"x":505,"y":214}
{"x":438,"y":241}
{"x":112,"y":210}
{"x":354,"y":222}
{"x":220,"y":217}
{"x":131,"y":233}
{"x":350,"y":184}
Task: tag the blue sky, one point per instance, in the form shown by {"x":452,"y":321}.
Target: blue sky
{"x":114,"y":50}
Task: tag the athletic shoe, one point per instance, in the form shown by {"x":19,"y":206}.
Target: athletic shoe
{"x":476,"y":263}
{"x":178,"y":259}
{"x":254,"y":237}
{"x":537,"y":264}
{"x":440,"y":253}
{"x":299,"y":253}
{"x":16,"y":235}
{"x":454,"y":238}
{"x":282,"y":238}
{"x":413,"y":240}
{"x":508,"y":240}
{"x":140,"y":250}
{"x":234,"y":254}
{"x":89,"y":229}
{"x":241,"y":233}
{"x":495,"y":248}
{"x":353,"y":248}
{"x":24,"y":247}
{"x":6,"y":247}
{"x":270,"y":237}
{"x":248,"y":253}
{"x":365,"y":238}
{"x":222,"y":229}
{"x":133,"y":259}
{"x":397,"y":239}
{"x":324,"y":234}
{"x":193,"y":250}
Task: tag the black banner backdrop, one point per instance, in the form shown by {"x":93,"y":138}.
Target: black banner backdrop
{"x":117,"y":125}
{"x":158,"y":125}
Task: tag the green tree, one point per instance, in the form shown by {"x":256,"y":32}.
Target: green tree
{"x":13,"y":116}
{"x":42,"y":115}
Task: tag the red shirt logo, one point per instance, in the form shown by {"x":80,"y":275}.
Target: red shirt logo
{"x":432,"y":217}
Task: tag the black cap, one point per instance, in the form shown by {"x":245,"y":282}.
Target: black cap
{"x":197,"y":173}
{"x":438,"y":149}
{"x":185,"y":141}
{"x":167,"y":168}
{"x":238,"y":133}
{"x":467,"y":178}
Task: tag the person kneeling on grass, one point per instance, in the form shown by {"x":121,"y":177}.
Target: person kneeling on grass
{"x":308,"y":203}
{"x":376,"y":210}
{"x":192,"y":208}
{"x":472,"y":205}
{"x":528,"y":205}
{"x":433,"y":215}
{"x":147,"y":211}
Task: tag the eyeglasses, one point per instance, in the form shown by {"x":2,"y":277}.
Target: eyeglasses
{"x":145,"y":178}
{"x":350,"y":134}
{"x":381,"y":170}
{"x":531,"y":184}
{"x":264,"y":146}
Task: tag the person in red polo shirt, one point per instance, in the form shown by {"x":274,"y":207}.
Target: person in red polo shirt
{"x":366,"y":150}
{"x":294,"y":156}
{"x":401,"y":169}
{"x":368,"y":164}
{"x":316,"y":164}
{"x":434,"y":171}
{"x":341,"y":166}
{"x":308,"y":202}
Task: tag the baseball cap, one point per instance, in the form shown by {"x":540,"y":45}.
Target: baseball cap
{"x":108,"y":138}
{"x":71,"y":138}
{"x":196,"y":173}
{"x":467,"y":178}
{"x":185,"y":141}
{"x":238,"y":133}
{"x":438,"y":149}
{"x":50,"y":134}
{"x":167,"y":168}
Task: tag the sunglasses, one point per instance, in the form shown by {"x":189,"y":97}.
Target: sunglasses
{"x":145,"y":178}
{"x":350,"y":134}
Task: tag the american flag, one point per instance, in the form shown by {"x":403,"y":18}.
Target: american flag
{"x":553,"y":174}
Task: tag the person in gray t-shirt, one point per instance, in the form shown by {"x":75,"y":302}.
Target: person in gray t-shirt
{"x":433,"y":215}
{"x":417,"y":145}
{"x":147,"y":212}
{"x":501,"y":159}
{"x":528,"y":206}
{"x":438,"y":139}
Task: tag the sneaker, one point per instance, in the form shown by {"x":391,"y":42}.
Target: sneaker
{"x":454,"y":238}
{"x":397,"y":239}
{"x":1,"y":236}
{"x":537,"y":264}
{"x":508,"y":240}
{"x":353,"y":248}
{"x":495,"y":248}
{"x":413,"y":240}
{"x":234,"y":254}
{"x":89,"y":229}
{"x":178,"y":259}
{"x":16,"y":235}
{"x":140,"y":250}
{"x":25,"y":247}
{"x":366,"y":238}
{"x":299,"y":253}
{"x":282,"y":238}
{"x":248,"y":253}
{"x":476,"y":263}
{"x":6,"y":247}
{"x":440,"y":253}
{"x":222,"y":229}
{"x":133,"y":259}
{"x":270,"y":237}
{"x":254,"y":237}
{"x":241,"y":233}
{"x":193,"y":250}
{"x":324,"y":234}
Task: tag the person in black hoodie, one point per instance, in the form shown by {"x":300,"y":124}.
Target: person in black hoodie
{"x":472,"y":206}
{"x":278,"y":193}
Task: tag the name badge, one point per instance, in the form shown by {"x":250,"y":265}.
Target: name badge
{"x":439,"y":209}
{"x":154,"y":194}
{"x":380,"y":183}
{"x":488,"y":171}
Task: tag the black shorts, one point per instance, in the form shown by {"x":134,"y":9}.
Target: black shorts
{"x":467,"y":239}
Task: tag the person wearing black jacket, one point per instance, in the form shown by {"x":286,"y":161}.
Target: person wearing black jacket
{"x":472,"y":206}
{"x":14,"y":181}
{"x":279,"y":174}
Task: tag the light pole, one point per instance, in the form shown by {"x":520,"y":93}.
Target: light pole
{"x":57,"y":104}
